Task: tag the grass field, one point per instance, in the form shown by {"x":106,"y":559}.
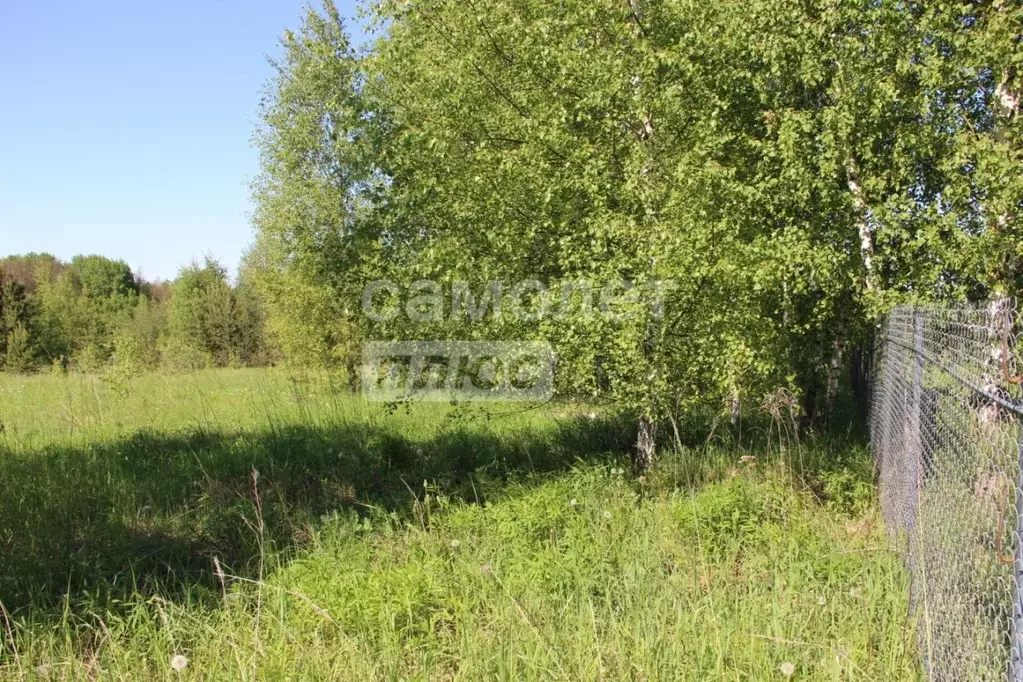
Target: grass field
{"x":261,"y":525}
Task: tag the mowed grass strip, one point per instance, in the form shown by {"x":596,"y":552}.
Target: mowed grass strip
{"x":253,"y":525}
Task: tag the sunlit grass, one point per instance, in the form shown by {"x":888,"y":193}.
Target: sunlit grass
{"x":433,"y":542}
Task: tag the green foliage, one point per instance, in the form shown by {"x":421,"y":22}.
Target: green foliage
{"x":92,"y":313}
{"x":200,"y":311}
{"x":62,"y":317}
{"x":137,"y":340}
{"x":251,"y":346}
{"x":16,"y":348}
{"x":102,"y":278}
{"x":132,"y":357}
{"x":209,"y":323}
{"x":317,"y":199}
{"x":793,"y":187}
{"x":19,"y":355}
{"x":78,"y":307}
{"x":31,"y":268}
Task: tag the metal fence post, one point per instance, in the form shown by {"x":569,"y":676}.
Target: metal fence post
{"x":1016,"y":630}
{"x":915,"y":449}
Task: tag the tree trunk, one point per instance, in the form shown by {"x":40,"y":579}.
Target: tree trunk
{"x":999,"y":322}
{"x":1006,"y":108}
{"x":859,"y":376}
{"x":834,"y":372}
{"x":646,"y":435}
{"x":809,"y":406}
{"x":1006,"y":102}
{"x":786,"y":306}
{"x":352,"y":370}
{"x":646,"y":446}
{"x":859,"y":202}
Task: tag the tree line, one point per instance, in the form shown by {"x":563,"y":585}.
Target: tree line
{"x":94,"y":312}
{"x":796,"y":168}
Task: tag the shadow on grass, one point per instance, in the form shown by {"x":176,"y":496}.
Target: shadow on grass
{"x":148,"y":513}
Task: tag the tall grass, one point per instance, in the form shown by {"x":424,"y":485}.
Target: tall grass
{"x":257,"y":525}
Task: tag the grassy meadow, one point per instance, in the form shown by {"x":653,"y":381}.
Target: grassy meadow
{"x":261,"y":524}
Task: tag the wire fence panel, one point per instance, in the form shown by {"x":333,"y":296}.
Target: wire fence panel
{"x":945,"y":426}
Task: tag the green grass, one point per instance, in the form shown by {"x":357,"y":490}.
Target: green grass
{"x":428,"y":542}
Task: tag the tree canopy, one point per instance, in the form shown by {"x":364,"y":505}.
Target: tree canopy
{"x":793,"y":169}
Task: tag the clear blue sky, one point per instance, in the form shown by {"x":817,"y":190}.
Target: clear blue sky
{"x":126,"y":126}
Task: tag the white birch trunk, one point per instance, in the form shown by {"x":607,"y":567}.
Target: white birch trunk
{"x":859,"y":202}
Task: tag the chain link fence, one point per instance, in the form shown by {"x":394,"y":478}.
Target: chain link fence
{"x":945,"y":427}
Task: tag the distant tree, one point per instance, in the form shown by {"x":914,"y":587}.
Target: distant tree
{"x":81,"y":306}
{"x":249,"y":333}
{"x":62,"y":316}
{"x":137,"y":340}
{"x":157,"y":291}
{"x":102,"y":277}
{"x":17,"y":350}
{"x":199,"y":317}
{"x":29,"y":268}
{"x":94,"y":312}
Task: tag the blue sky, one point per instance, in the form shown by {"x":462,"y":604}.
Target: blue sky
{"x":126,"y":126}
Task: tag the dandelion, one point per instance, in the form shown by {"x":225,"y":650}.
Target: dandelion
{"x":573,"y":502}
{"x":419,"y":452}
{"x":486,"y":569}
{"x":607,"y":514}
{"x":787,"y":669}
{"x":455,"y":544}
{"x":179,"y":663}
{"x":821,"y":600}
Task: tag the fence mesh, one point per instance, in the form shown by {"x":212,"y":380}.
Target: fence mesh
{"x":945,"y":427}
